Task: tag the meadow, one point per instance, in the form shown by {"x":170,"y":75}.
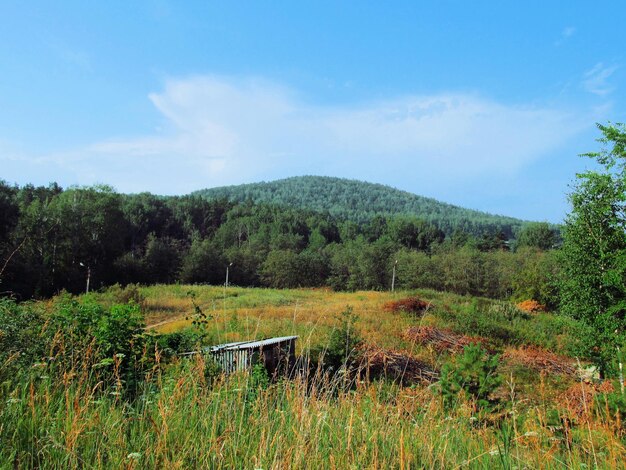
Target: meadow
{"x":76,"y":411}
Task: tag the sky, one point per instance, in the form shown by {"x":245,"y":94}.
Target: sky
{"x":482,"y":104}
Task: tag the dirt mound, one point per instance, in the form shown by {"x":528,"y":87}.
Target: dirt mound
{"x":406,"y":369}
{"x":540,"y":360}
{"x":409,"y":305}
{"x":531,"y":306}
{"x":441,"y":339}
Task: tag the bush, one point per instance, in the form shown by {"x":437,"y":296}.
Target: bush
{"x":507,"y":311}
{"x":126,"y":294}
{"x":343,"y":343}
{"x":21,"y":341}
{"x":88,"y":329}
{"x":474,"y":374}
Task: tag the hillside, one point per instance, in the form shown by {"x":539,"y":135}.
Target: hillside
{"x":360,"y":201}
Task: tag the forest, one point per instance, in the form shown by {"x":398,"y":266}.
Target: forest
{"x":53,"y":239}
{"x":360,"y":201}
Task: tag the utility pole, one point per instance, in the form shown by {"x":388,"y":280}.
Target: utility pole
{"x":393,"y":277}
{"x":226,"y":283}
{"x":88,"y":277}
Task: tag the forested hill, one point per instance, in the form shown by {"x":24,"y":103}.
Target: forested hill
{"x":360,"y":202}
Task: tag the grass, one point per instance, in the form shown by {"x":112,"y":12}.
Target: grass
{"x":180,"y":421}
{"x":181,"y":418}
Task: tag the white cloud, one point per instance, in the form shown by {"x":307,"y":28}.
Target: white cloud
{"x":596,"y":79}
{"x":566,"y":33}
{"x":219,"y":131}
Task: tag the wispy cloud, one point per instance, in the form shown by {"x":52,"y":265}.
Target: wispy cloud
{"x":566,"y":33}
{"x":220,"y":130}
{"x":596,"y":80}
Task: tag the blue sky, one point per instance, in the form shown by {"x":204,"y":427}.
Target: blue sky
{"x":482,"y":104}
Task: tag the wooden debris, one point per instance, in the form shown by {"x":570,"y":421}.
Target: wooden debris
{"x":378,"y":362}
{"x":441,"y":339}
{"x":531,"y":306}
{"x":579,"y":398}
{"x":409,"y":305}
{"x":540,"y":360}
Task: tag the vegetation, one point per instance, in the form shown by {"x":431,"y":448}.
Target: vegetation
{"x":83,"y":410}
{"x":364,"y":202}
{"x":474,"y":373}
{"x":53,"y":239}
{"x":594,"y":250}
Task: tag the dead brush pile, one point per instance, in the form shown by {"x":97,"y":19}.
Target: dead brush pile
{"x":579,"y":398}
{"x":540,"y":360}
{"x":531,"y":306}
{"x":413,"y":305}
{"x":395,"y":365}
{"x":441,"y":340}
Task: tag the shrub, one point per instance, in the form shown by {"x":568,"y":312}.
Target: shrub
{"x":21,"y":341}
{"x":343,"y":344}
{"x":507,"y":311}
{"x":129,"y":293}
{"x":474,"y":374}
{"x":89,"y":329}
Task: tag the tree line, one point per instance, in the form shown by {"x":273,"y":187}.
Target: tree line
{"x":53,"y":239}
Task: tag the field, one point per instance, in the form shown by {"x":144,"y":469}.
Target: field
{"x":184,"y":416}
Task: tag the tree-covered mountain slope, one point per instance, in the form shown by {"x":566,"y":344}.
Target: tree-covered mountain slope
{"x":360,"y":201}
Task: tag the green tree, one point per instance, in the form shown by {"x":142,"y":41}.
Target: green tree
{"x":282,"y":269}
{"x":593,"y":286}
{"x":474,"y":373}
{"x":203,"y":263}
{"x":537,"y":235}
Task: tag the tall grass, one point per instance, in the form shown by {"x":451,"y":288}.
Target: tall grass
{"x":181,"y":419}
{"x":76,"y":411}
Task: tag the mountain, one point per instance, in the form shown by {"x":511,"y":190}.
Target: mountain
{"x":360,"y":201}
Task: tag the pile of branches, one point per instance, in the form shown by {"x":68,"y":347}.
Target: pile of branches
{"x":441,"y":340}
{"x":579,"y":398}
{"x":541,"y":360}
{"x":531,"y":306}
{"x":413,"y":305}
{"x":404,"y":368}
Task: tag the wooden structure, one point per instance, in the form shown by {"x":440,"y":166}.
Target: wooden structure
{"x":278,"y":355}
